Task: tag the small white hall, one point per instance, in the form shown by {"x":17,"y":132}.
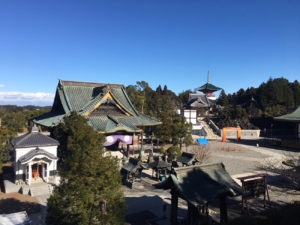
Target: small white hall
{"x":35,"y":157}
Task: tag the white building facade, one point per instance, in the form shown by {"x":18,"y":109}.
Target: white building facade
{"x":35,"y":157}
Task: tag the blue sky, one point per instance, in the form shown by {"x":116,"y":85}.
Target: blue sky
{"x":172,"y":42}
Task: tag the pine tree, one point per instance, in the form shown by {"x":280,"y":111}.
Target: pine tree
{"x":87,"y":178}
{"x":223,"y":99}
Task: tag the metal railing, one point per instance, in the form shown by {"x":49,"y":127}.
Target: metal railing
{"x":213,"y":126}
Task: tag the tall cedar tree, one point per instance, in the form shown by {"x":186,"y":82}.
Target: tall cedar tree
{"x":87,"y":178}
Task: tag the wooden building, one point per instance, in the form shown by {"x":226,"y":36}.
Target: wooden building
{"x":294,"y":120}
{"x":199,"y":186}
{"x":106,"y":106}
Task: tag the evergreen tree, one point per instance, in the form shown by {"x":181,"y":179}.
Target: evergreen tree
{"x":223,"y":100}
{"x":184,"y":97}
{"x":174,"y":129}
{"x":87,"y":178}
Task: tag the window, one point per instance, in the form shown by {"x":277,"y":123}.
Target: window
{"x":27,"y":172}
{"x":45,"y":170}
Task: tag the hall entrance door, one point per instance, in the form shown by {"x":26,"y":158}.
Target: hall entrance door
{"x":37,"y":170}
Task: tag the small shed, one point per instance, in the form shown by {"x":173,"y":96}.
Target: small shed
{"x":132,"y":169}
{"x":187,"y":159}
{"x":199,"y":185}
{"x":160,"y":167}
{"x":293,"y":118}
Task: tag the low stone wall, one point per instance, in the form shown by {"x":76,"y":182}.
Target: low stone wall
{"x":245,"y":134}
{"x":10,"y":187}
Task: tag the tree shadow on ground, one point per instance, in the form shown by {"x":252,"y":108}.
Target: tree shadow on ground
{"x":264,"y":143}
{"x":148,"y":209}
{"x":255,"y":206}
{"x":281,"y":176}
{"x":12,"y":205}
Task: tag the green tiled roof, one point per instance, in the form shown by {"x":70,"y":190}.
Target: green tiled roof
{"x":82,"y":97}
{"x":49,"y":119}
{"x":202,"y":183}
{"x":208,"y":86}
{"x":292,"y":117}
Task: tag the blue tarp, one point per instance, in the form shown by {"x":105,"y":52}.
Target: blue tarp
{"x":202,"y":141}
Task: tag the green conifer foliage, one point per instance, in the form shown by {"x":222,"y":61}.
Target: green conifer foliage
{"x":87,"y":178}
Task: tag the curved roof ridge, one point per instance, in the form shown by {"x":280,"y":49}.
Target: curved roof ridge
{"x":128,"y":100}
{"x":92,"y":103}
{"x":88,"y":84}
{"x":66,"y":98}
{"x":117,"y":100}
{"x":34,"y":152}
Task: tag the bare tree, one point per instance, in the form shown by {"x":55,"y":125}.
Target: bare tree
{"x":201,"y":153}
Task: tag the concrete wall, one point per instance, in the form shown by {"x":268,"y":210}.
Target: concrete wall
{"x":245,"y":134}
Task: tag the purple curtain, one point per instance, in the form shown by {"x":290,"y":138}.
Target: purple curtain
{"x":112,"y":139}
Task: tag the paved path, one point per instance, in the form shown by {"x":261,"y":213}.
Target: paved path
{"x":39,"y":218}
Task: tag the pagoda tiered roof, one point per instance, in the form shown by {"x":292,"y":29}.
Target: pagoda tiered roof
{"x":106,"y":106}
{"x":208,"y":87}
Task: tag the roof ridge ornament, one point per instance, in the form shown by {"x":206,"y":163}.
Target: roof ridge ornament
{"x":208,"y":77}
{"x":35,"y":129}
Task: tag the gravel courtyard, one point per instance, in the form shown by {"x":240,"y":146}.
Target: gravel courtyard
{"x":145,"y":203}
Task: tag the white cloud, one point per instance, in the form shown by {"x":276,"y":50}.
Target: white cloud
{"x":1,"y":85}
{"x":21,"y":98}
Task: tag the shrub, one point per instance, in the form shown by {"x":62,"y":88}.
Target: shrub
{"x":174,"y":152}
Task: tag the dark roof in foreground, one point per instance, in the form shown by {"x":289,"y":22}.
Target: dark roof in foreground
{"x":186,"y":158}
{"x":291,"y":117}
{"x":106,"y":106}
{"x":35,"y":152}
{"x":202,"y":183}
{"x":133,"y":164}
{"x":33,"y":139}
{"x":159,"y":164}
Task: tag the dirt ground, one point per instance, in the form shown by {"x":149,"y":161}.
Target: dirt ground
{"x":15,"y":202}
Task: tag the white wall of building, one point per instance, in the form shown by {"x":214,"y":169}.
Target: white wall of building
{"x":19,"y":152}
{"x":22,"y":151}
{"x":190,"y":115}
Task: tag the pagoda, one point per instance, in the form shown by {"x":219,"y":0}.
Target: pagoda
{"x":208,"y":89}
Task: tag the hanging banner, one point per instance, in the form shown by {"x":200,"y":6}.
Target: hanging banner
{"x":112,"y":139}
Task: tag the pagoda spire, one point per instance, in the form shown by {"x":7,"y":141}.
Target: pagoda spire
{"x":208,"y":77}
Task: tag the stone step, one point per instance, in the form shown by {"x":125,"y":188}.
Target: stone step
{"x":210,"y":132}
{"x":39,"y":189}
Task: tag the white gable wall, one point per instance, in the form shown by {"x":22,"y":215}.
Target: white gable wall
{"x":22,"y":151}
